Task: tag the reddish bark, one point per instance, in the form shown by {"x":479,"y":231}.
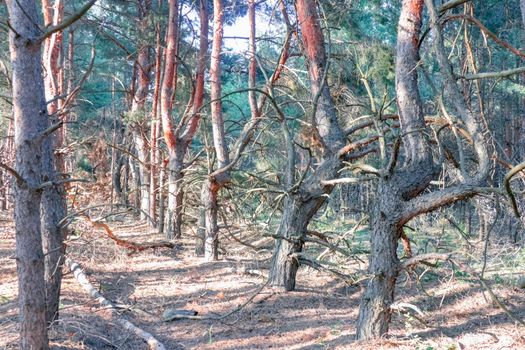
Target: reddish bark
{"x":179,"y":138}
{"x":167,"y":89}
{"x":301,"y":206}
{"x":313,"y":42}
{"x":198,"y":99}
{"x":137,"y":247}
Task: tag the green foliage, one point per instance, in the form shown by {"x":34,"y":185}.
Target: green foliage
{"x":85,"y":165}
{"x":133,"y":117}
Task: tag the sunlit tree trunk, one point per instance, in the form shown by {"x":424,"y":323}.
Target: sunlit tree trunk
{"x":178,"y":139}
{"x":374,"y":314}
{"x":214,"y":182}
{"x":167,"y":92}
{"x":400,"y":195}
{"x":53,"y":207}
{"x":197,"y":106}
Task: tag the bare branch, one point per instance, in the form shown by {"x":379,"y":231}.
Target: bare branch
{"x":501,"y":74}
{"x":425,"y":257}
{"x":82,"y":279}
{"x":345,"y":180}
{"x":19,"y":179}
{"x":65,"y":23}
{"x":451,"y":4}
{"x":509,"y":177}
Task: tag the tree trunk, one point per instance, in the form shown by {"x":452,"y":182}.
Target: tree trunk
{"x":162,"y":176}
{"x":201,"y":230}
{"x":171,"y":138}
{"x":53,"y":210}
{"x":53,"y":206}
{"x":304,"y":203}
{"x":215,"y":181}
{"x":175,"y":194}
{"x":135,"y":174}
{"x":30,"y":121}
{"x":374,"y":310}
{"x":138,"y":111}
{"x":209,"y":195}
{"x":155,"y":131}
{"x":120,"y":163}
{"x":292,"y":228}
{"x":141,"y":172}
{"x":299,"y":208}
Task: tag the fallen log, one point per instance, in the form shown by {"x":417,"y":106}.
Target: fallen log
{"x":81,"y":278}
{"x":123,"y":243}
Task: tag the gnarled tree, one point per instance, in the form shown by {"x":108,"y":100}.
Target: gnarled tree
{"x":400,"y":195}
{"x":305,"y":199}
{"x":179,"y":137}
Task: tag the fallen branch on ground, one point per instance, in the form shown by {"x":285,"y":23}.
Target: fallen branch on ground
{"x":305,"y":260}
{"x":123,"y":243}
{"x":400,"y":307}
{"x":423,"y":258}
{"x":81,"y":278}
{"x":177,"y":315}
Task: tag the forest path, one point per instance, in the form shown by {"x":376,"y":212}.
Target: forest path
{"x":319,"y":315}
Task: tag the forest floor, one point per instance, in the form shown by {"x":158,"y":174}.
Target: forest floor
{"x":320,"y":315}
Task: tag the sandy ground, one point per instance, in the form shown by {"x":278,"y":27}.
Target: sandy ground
{"x":320,"y":315}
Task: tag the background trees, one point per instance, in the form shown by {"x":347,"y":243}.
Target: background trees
{"x":313,"y":122}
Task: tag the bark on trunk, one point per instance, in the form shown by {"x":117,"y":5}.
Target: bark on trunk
{"x":209,"y":195}
{"x":170,"y":136}
{"x":139,"y":112}
{"x":299,"y":208}
{"x":294,"y":222}
{"x":304,"y":203}
{"x":30,"y":121}
{"x":175,"y":194}
{"x":155,"y":131}
{"x":402,"y":184}
{"x":201,"y":232}
{"x":215,"y":181}
{"x":162,"y":176}
{"x":120,"y":163}
{"x":53,"y":204}
{"x":53,"y":210}
{"x":141,"y":172}
{"x":374,"y":310}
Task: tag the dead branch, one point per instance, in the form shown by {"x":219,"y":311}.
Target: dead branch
{"x":345,"y":180}
{"x":451,"y":4}
{"x":123,"y":243}
{"x":218,"y":317}
{"x":518,"y":168}
{"x":425,"y":257}
{"x":320,"y":267}
{"x":81,"y":278}
{"x":447,"y":257}
{"x":484,"y":29}
{"x":19,"y":179}
{"x":500,"y":74}
{"x":65,"y":23}
{"x":400,"y":306}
